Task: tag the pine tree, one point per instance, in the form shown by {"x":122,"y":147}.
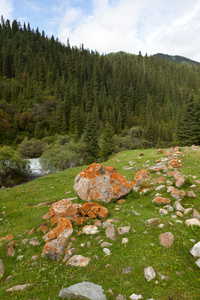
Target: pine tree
{"x":91,"y":139}
{"x":108,"y":143}
{"x":188,"y":128}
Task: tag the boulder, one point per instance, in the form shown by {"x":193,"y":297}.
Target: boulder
{"x":90,"y":229}
{"x":110,"y":232}
{"x":83,"y":290}
{"x":63,"y":230}
{"x":94,"y":210}
{"x":54,"y":249}
{"x":177,"y":194}
{"x":101,"y":183}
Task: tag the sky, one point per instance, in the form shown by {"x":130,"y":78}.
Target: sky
{"x":147,"y":26}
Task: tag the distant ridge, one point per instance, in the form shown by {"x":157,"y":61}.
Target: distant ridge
{"x":177,"y":59}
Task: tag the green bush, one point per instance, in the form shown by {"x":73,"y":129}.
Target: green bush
{"x":31,"y":148}
{"x":13,"y":169}
{"x":61,"y":157}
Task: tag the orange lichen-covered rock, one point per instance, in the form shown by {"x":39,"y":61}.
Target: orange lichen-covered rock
{"x":173,"y":163}
{"x":101,"y":183}
{"x":140,"y":178}
{"x":177,"y":194}
{"x":66,"y":208}
{"x":63,"y":230}
{"x":10,"y":251}
{"x":160,"y":180}
{"x":54,"y":249}
{"x":160,"y":150}
{"x":94,"y":210}
{"x":161,"y":200}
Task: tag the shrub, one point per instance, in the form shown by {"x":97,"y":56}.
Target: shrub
{"x":13,"y":169}
{"x":61,"y":157}
{"x":31,"y":148}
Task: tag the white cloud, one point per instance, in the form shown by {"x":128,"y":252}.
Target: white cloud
{"x":6,"y":9}
{"x":149,"y":26}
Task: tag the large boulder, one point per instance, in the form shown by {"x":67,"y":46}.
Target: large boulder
{"x":101,"y":183}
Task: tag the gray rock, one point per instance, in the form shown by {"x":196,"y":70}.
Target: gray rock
{"x":1,"y":268}
{"x":106,"y":244}
{"x":178,"y":206}
{"x":110,"y":232}
{"x":149,"y":273}
{"x":78,"y":261}
{"x":120,"y":297}
{"x":136,"y":297}
{"x":127,"y":270}
{"x":198,"y":262}
{"x":190,"y":222}
{"x":83,"y":290}
{"x":153,"y":221}
{"x":123,"y":230}
{"x":166,"y":239}
{"x":195,"y":251}
{"x":54,"y":249}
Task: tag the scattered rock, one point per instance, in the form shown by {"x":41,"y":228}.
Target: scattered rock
{"x":149,"y":273}
{"x":136,"y":297}
{"x":197,"y":262}
{"x":160,"y":151}
{"x":110,"y":232}
{"x":195,"y":214}
{"x":190,"y":222}
{"x":78,"y":261}
{"x":107,"y":251}
{"x":90,"y":229}
{"x":1,"y":268}
{"x":161,"y":200}
{"x":54,"y":249}
{"x":188,"y":211}
{"x":140,"y":177}
{"x":34,"y":257}
{"x":101,"y":183}
{"x":10,"y":249}
{"x":8,"y":278}
{"x":83,"y":290}
{"x":177,"y":194}
{"x":178,"y":206}
{"x":120,"y":297}
{"x":124,"y":240}
{"x":195,"y":251}
{"x":127,"y":270}
{"x":191,"y":194}
{"x":19,"y":287}
{"x":123,"y":230}
{"x":68,"y":254}
{"x":153,"y":222}
{"x":106,"y":244}
{"x":160,"y":187}
{"x":163,"y":211}
{"x":166,"y":239}
{"x":34,"y":243}
{"x":94,"y":210}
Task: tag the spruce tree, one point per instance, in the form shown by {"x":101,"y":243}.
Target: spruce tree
{"x":188,"y":128}
{"x":108,"y":143}
{"x":91,"y":139}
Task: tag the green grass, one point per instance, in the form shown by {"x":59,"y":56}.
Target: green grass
{"x":142,"y":250}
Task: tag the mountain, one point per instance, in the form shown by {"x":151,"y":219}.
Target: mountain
{"x":177,"y":59}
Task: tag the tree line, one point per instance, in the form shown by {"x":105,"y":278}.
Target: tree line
{"x":48,"y":88}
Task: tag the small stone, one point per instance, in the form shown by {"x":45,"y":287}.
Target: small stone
{"x":68,"y":254}
{"x":90,"y":229}
{"x":169,"y":208}
{"x":8,"y":278}
{"x":197,"y":262}
{"x":166,"y":239}
{"x":178,"y":206}
{"x":195,"y":214}
{"x":78,"y":261}
{"x":153,"y":221}
{"x":136,"y":297}
{"x":149,"y":273}
{"x":88,"y":244}
{"x":34,"y":257}
{"x":106,"y":244}
{"x":161,"y":225}
{"x":25,"y":241}
{"x":110,"y":232}
{"x":120,"y":297}
{"x":31,"y":232}
{"x":124,"y":240}
{"x":1,"y":268}
{"x":179,"y":214}
{"x":163,"y":211}
{"x":127,"y":270}
{"x":20,"y":257}
{"x":191,"y":194}
{"x":188,"y":211}
{"x":160,"y":187}
{"x":34,"y":243}
{"x":19,"y":287}
{"x":107,"y":251}
{"x":123,"y":230}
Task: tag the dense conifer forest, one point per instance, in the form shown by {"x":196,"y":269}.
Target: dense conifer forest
{"x":48,"y":88}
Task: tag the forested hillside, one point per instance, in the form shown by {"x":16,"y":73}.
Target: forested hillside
{"x":48,"y":88}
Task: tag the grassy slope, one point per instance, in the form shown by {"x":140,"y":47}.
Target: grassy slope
{"x":142,"y":250}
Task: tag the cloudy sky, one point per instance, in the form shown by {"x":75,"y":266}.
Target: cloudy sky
{"x":150,"y":26}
